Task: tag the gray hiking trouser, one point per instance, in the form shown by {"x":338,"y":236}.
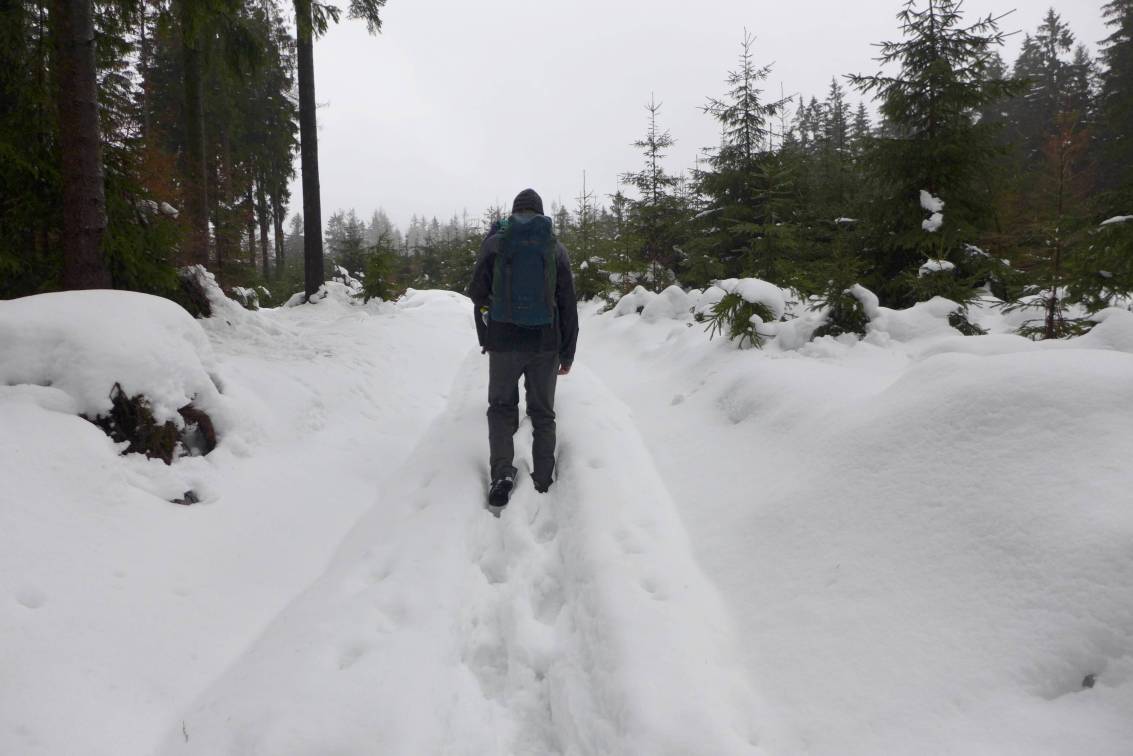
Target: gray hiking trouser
{"x":540,"y":372}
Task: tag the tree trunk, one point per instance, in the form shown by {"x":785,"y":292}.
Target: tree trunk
{"x":196,"y":165}
{"x":277,"y":217}
{"x":309,"y":151}
{"x":225,"y":213}
{"x":143,"y":70}
{"x":262,"y":217}
{"x":84,"y":192}
{"x":250,"y":203}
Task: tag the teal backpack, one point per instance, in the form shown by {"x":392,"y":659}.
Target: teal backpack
{"x":523,"y":279}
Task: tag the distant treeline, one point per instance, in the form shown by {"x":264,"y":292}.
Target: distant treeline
{"x":1004,"y":174}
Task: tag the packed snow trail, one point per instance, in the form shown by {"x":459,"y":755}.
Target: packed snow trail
{"x":577,"y":623}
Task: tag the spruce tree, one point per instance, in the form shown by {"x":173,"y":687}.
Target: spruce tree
{"x":741,"y":181}
{"x":1052,"y":81}
{"x":930,"y":138}
{"x":1116,"y":108}
{"x":655,"y":210}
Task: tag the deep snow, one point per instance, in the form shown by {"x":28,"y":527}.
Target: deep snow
{"x":915,"y":543}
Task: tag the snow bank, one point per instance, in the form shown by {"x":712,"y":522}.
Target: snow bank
{"x":634,"y":302}
{"x":671,"y":304}
{"x":84,"y":342}
{"x":923,"y":319}
{"x":119,"y":608}
{"x":926,"y":551}
{"x":1114,"y":330}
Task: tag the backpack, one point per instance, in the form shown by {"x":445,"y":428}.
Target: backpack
{"x":523,"y":278}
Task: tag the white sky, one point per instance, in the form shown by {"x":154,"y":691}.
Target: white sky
{"x":459,"y":104}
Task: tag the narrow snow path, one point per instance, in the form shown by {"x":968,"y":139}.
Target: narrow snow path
{"x":577,"y":623}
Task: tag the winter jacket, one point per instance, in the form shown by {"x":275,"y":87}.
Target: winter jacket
{"x":560,"y":336}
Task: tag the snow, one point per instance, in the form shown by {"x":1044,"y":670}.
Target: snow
{"x":869,"y":301}
{"x":672,"y":303}
{"x":757,"y":291}
{"x":706,"y":300}
{"x":924,"y":550}
{"x":934,"y":205}
{"x":935,"y":266}
{"x":930,"y":203}
{"x":633,"y":302}
{"x":119,"y":608}
{"x":81,"y":343}
{"x":1117,"y":219}
{"x":915,"y":542}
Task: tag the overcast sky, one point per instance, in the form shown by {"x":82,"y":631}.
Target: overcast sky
{"x":459,"y":104}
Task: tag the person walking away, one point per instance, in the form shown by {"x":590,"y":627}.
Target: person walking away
{"x":527,"y":322}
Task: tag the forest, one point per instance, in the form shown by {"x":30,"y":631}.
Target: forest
{"x":172,"y":140}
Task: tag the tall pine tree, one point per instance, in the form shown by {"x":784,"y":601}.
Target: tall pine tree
{"x":930,"y":140}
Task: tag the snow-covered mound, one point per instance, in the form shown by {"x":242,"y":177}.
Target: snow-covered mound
{"x":671,"y":304}
{"x":82,"y":343}
{"x":634,"y":302}
{"x":118,"y":608}
{"x":926,"y":538}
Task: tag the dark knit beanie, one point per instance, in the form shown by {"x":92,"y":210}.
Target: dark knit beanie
{"x":527,"y":200}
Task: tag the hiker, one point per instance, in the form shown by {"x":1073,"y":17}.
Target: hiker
{"x":527,"y":322}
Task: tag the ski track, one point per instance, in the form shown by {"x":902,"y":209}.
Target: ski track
{"x":454,"y":632}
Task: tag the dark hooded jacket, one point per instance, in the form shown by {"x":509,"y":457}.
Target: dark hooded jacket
{"x":560,"y":336}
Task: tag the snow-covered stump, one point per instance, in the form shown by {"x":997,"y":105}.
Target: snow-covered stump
{"x":135,"y":365}
{"x":195,"y":297}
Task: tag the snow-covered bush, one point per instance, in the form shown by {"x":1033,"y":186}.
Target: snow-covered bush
{"x":931,"y":318}
{"x":634,"y":302}
{"x":709,"y":298}
{"x":747,"y":303}
{"x":249,"y":296}
{"x":203,"y":297}
{"x":352,"y":283}
{"x":671,"y":304}
{"x":943,"y":278}
{"x":136,"y":365}
{"x":847,"y":311}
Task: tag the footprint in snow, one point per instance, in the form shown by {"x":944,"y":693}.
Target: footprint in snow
{"x":30,"y":597}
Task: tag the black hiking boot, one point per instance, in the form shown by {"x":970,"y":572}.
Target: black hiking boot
{"x":500,"y":491}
